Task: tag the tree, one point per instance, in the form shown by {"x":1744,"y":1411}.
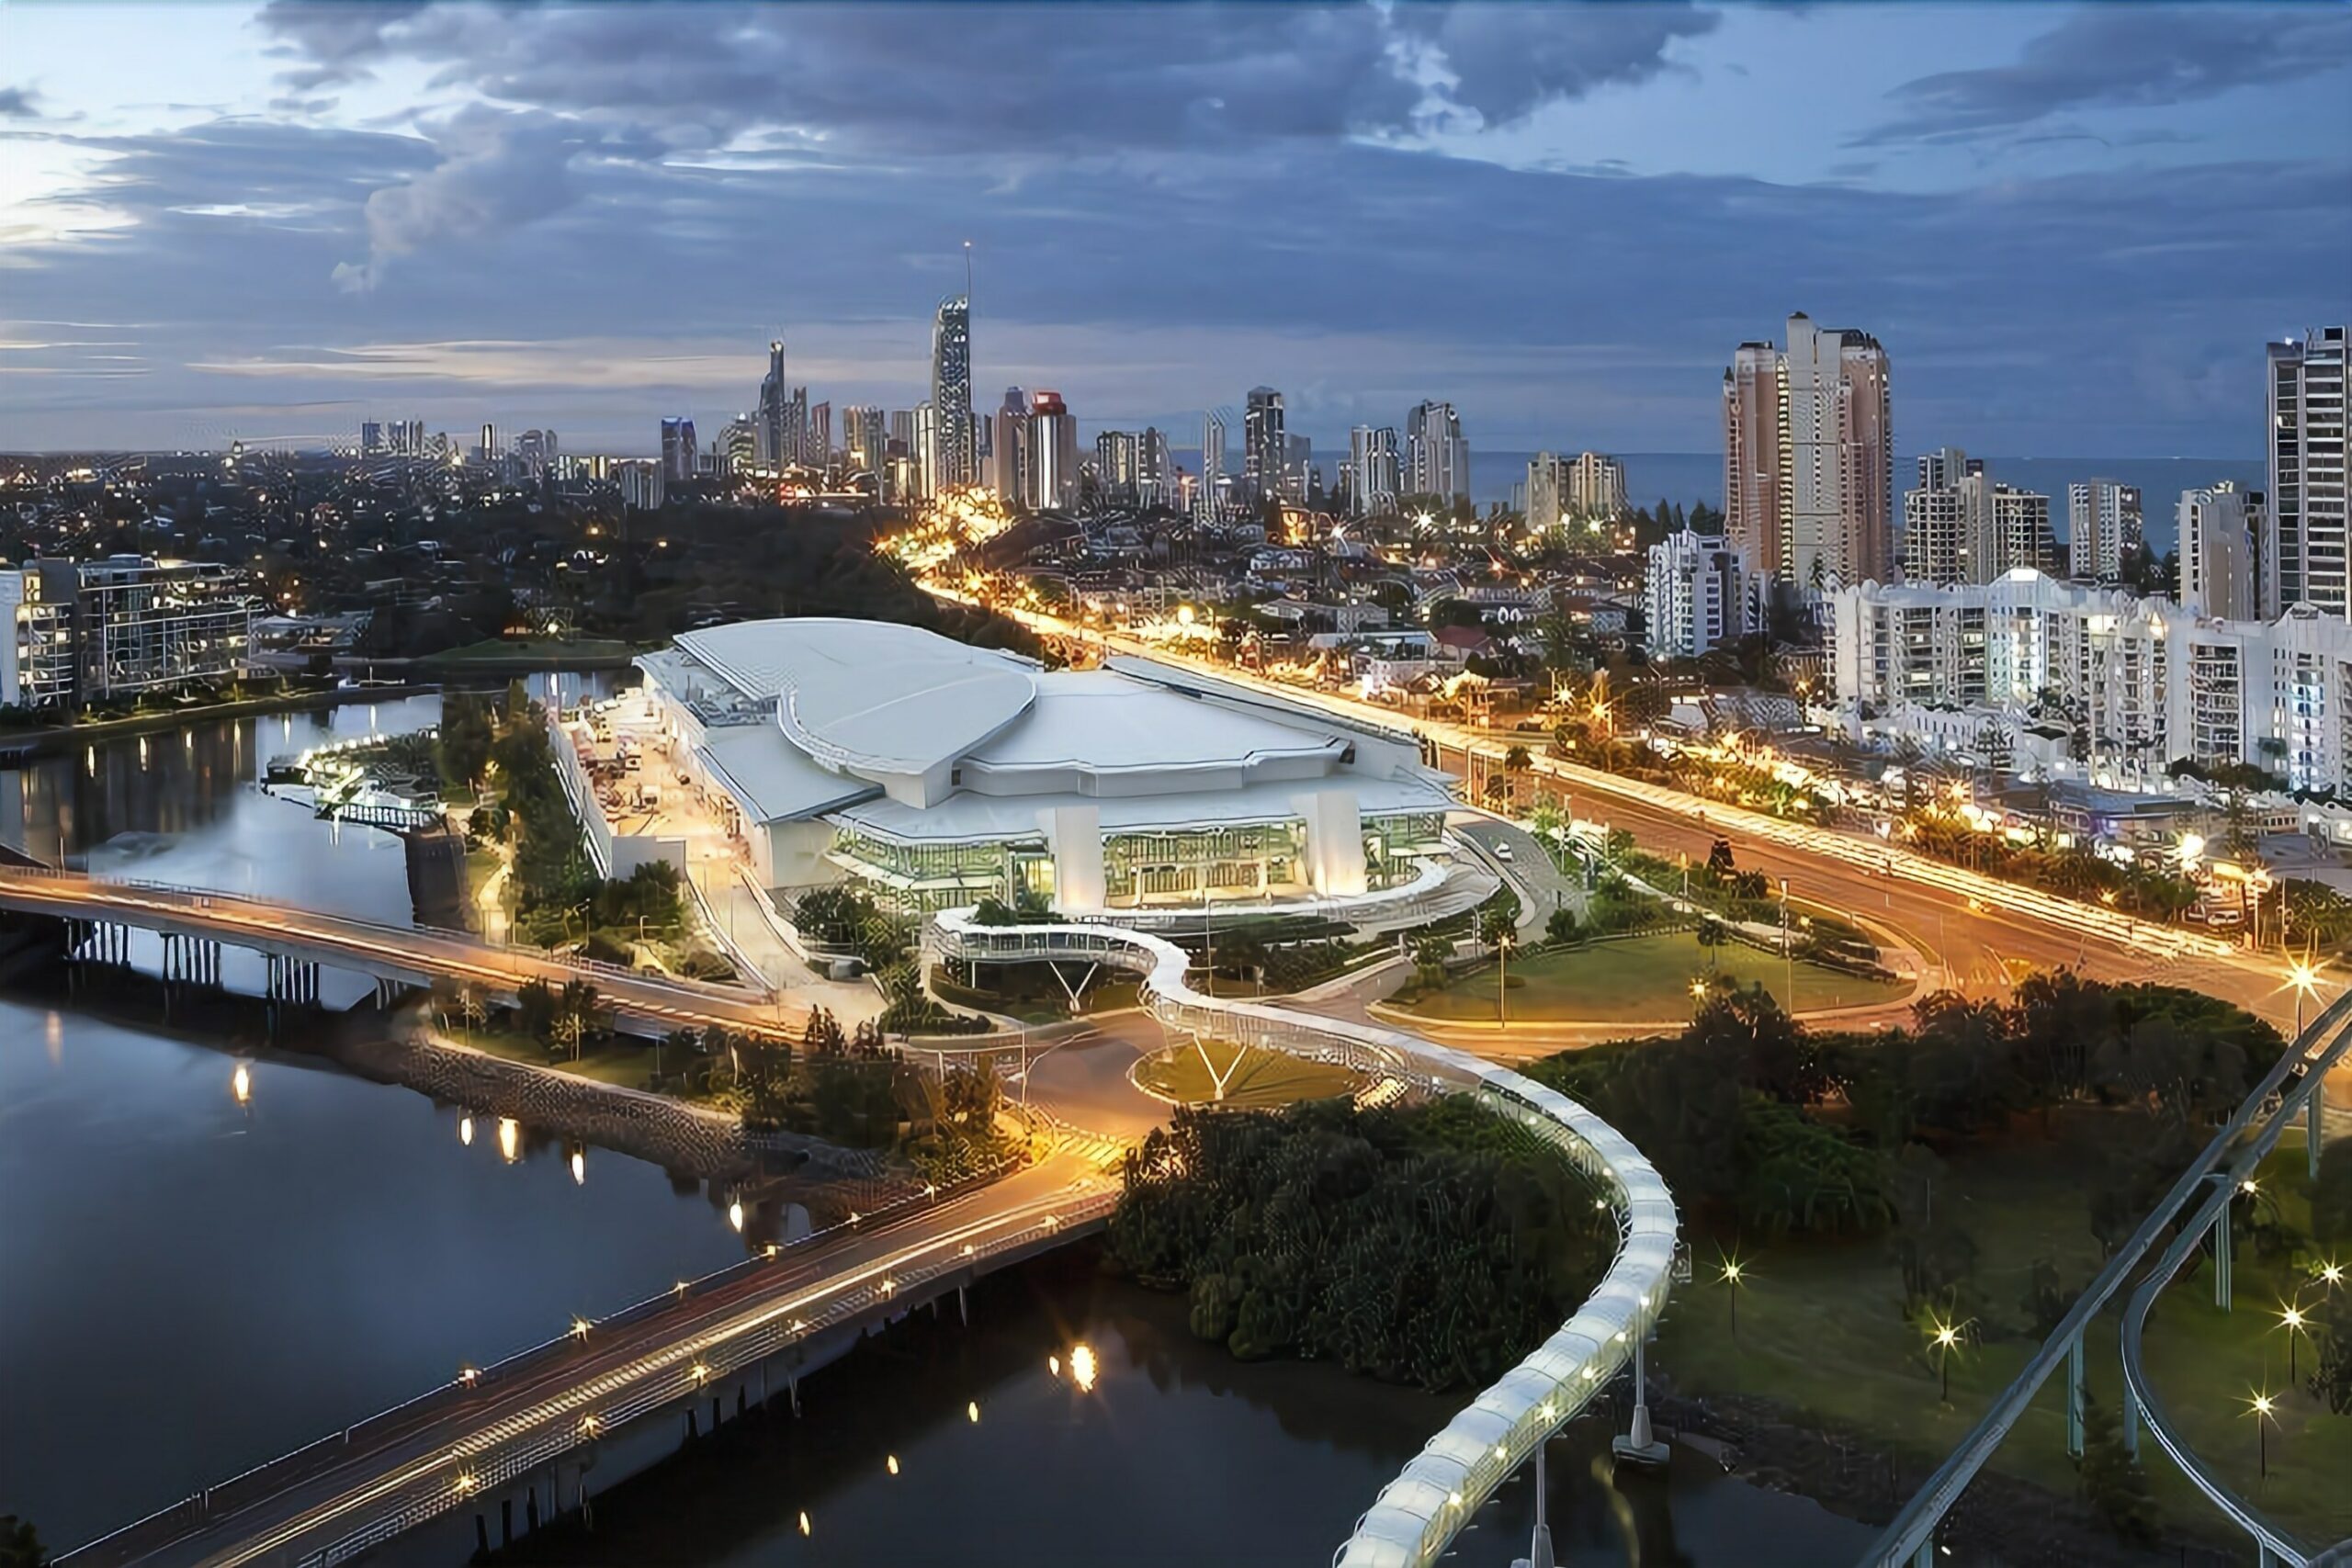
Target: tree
{"x":1516,"y":759}
{"x":1561,"y":925}
{"x":1719,"y":861}
{"x":2112,"y":1479}
{"x":20,"y":1544}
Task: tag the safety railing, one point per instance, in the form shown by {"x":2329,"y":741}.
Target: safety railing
{"x":1416,"y":1515}
{"x":1911,"y":1536}
{"x":274,"y":1476}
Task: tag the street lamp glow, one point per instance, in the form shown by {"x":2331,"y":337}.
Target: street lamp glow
{"x":1081,"y":1368}
{"x":466,"y":1131}
{"x":891,"y":1464}
{"x":579,"y":1168}
{"x":804,"y":1521}
{"x":972,"y":1413}
{"x":510,"y":1139}
{"x":2332,"y":1274}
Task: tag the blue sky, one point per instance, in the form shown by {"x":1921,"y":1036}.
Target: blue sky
{"x":2071,"y":227}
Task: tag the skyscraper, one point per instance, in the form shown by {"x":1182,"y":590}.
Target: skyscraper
{"x":1961,"y":527}
{"x":1809,"y":454}
{"x":1262,"y":448}
{"x":1437,"y":456}
{"x":866,"y":438}
{"x":1205,"y":503}
{"x":1376,"y":478}
{"x":1596,"y":487}
{"x":1697,"y":596}
{"x":817,"y":435}
{"x":2217,"y":566}
{"x":371,"y":438}
{"x":775,"y":392}
{"x":2306,"y":521}
{"x":677,"y":450}
{"x":1117,"y":461}
{"x":1009,"y":447}
{"x":950,"y":464}
{"x":2102,"y":522}
{"x":1155,"y":475}
{"x":1053,"y":452}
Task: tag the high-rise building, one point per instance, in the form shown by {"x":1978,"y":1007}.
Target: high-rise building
{"x":1596,"y":487}
{"x":1375,"y":475}
{"x":1155,"y":475}
{"x":865,"y":439}
{"x":775,"y":392}
{"x":2218,"y":527}
{"x":1697,"y":596}
{"x":678,"y":450}
{"x":1118,"y":460}
{"x":643,"y":484}
{"x":1263,"y":451}
{"x":1959,"y":527}
{"x":490,"y":451}
{"x":1210,"y":497}
{"x":817,"y":436}
{"x":371,"y":438}
{"x":1547,"y":498}
{"x":2102,"y":525}
{"x":1752,"y":458}
{"x":925,"y":451}
{"x":1053,"y":449}
{"x":950,"y":461}
{"x":534,"y":452}
{"x":1809,"y":454}
{"x":1437,"y":456}
{"x":738,"y":444}
{"x":902,"y":429}
{"x":1009,"y":447}
{"x":2309,"y":480}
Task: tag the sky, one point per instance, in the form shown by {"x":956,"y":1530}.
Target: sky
{"x":2071,"y":227}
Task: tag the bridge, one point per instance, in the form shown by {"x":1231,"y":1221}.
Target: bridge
{"x":544,"y":1415}
{"x":1417,"y":1514}
{"x":2199,"y":1204}
{"x":537,"y":1423}
{"x":195,"y":925}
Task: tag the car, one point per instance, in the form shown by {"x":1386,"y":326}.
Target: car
{"x":1502,"y":853}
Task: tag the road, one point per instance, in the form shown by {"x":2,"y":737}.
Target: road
{"x":431,"y":1447}
{"x":1539,"y":883}
{"x":408,"y":954}
{"x":1980,"y":945}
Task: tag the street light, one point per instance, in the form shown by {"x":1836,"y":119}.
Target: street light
{"x":1946,"y":1340}
{"x":1731,"y":1275}
{"x":2261,"y":1407}
{"x":1502,"y":961}
{"x":2291,"y":1319}
{"x":2306,"y":980}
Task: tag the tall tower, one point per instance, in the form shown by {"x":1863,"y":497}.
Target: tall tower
{"x":768,"y":421}
{"x":1752,"y":458}
{"x":951,"y":395}
{"x":2304,"y":510}
{"x":1204,"y":504}
{"x":1263,"y":442}
{"x":1838,"y":433}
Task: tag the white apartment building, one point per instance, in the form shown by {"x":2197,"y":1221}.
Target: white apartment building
{"x":1375,"y":473}
{"x":2102,"y":522}
{"x":1697,"y":596}
{"x":1959,"y":527}
{"x":2218,"y":527}
{"x":81,"y":630}
{"x":2142,"y":680}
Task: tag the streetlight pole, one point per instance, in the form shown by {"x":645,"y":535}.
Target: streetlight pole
{"x":1788,"y":953}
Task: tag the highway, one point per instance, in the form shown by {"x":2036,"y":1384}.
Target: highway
{"x":413,"y":956}
{"x":1978,"y":935}
{"x":430,"y":1456}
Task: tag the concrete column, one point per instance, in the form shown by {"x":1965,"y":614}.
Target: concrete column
{"x":1640,"y":1444}
{"x":1334,"y":849}
{"x":2075,"y":1389}
{"x":1074,"y":838}
{"x":2222,"y":1258}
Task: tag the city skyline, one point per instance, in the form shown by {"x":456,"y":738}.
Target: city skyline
{"x":308,"y":247}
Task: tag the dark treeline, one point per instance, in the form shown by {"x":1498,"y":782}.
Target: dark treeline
{"x":1433,"y":1245}
{"x":1753,"y":1117}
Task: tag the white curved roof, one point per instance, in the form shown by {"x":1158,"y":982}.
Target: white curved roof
{"x":870,"y":695}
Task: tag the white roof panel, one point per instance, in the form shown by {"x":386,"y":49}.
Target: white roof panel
{"x":773,"y":779}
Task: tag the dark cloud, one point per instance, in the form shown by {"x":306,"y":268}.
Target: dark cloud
{"x":17,"y":103}
{"x":2124,"y":56}
{"x":334,"y":42}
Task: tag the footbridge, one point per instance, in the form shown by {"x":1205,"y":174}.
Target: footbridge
{"x":1417,"y":1514}
{"x":195,"y":925}
{"x":2195,"y":1216}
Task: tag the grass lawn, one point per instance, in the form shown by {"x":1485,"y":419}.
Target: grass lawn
{"x":1641,"y":979}
{"x":1254,"y":1079}
{"x":1821,"y":1330}
{"x":625,"y":1063}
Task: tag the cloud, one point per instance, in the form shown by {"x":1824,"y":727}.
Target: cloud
{"x":2113,"y":56}
{"x":335,"y":43}
{"x":496,"y":171}
{"x":16,"y":103}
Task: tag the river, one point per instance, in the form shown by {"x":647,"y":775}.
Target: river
{"x":189,"y":1285}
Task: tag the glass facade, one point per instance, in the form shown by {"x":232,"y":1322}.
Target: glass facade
{"x":1239,"y":862}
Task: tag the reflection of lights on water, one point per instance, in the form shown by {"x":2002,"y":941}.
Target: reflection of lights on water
{"x":735,"y":1214}
{"x":804,"y":1521}
{"x":510,"y":1139}
{"x":466,"y":1131}
{"x":241,"y":1084}
{"x":579,"y":1168}
{"x":972,"y":1411}
{"x":54,"y":1032}
{"x":892,"y":1463}
{"x":1053,"y":1365}
{"x":1081,"y":1368}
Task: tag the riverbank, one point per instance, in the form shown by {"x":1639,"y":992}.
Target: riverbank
{"x":55,"y":739}
{"x":2017,"y":1522}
